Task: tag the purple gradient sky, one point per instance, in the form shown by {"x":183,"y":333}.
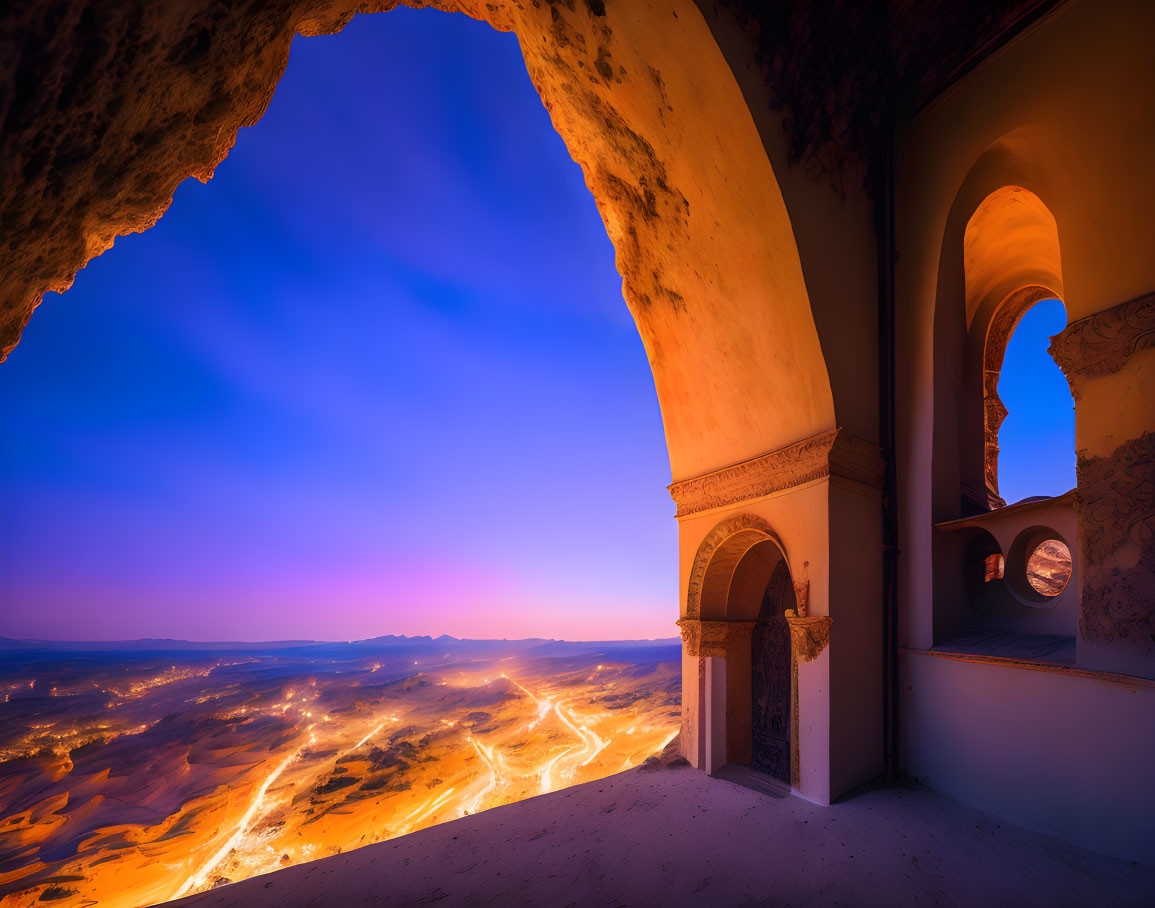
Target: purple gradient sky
{"x":376,"y":377}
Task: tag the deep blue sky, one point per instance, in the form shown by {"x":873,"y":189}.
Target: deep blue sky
{"x":1037,"y":439}
{"x":376,"y":377}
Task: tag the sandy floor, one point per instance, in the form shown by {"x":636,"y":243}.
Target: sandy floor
{"x":674,"y":836}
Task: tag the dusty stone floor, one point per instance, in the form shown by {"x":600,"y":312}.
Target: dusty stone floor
{"x":674,"y":836}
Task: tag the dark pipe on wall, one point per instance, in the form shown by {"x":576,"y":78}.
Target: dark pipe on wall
{"x":883,"y":195}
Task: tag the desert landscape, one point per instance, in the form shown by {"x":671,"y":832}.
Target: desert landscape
{"x":145,"y":771}
{"x":1049,"y":567}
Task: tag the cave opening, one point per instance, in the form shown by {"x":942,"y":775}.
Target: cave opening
{"x":389,"y":311}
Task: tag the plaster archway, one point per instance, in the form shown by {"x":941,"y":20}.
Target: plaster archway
{"x":1011,"y":260}
{"x":729,"y":579}
{"x":717,"y":558}
{"x":999,"y":256}
{"x":103,"y":129}
{"x":749,"y":582}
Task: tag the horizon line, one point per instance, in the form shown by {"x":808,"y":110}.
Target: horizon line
{"x":5,"y":638}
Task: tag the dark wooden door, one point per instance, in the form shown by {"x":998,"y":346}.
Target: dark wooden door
{"x":770,"y":678}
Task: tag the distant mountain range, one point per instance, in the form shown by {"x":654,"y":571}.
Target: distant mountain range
{"x":539,"y":645}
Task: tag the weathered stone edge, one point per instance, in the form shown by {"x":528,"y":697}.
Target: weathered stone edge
{"x":1101,"y":344}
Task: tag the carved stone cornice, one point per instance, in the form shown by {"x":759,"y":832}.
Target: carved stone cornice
{"x":808,"y":636}
{"x":1101,"y":344}
{"x":713,"y":638}
{"x":833,"y":453}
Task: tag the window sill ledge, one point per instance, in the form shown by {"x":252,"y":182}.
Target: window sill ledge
{"x":946,"y":651}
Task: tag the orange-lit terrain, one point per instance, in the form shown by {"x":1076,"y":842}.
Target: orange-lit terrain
{"x":132,"y":777}
{"x":1049,"y":567}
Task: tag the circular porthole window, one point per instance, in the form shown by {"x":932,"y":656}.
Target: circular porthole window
{"x":1039,"y":566}
{"x":1049,"y":567}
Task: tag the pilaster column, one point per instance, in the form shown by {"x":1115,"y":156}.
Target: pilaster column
{"x":808,"y":638}
{"x":722,"y":649}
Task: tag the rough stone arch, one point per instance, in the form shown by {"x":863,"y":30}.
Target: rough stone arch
{"x":729,"y":541}
{"x":116,"y":104}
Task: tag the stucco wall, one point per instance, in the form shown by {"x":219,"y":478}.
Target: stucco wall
{"x":1069,"y":756}
{"x":832,"y":221}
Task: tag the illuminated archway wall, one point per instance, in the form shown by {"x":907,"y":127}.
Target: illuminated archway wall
{"x":129,"y":102}
{"x":1010,"y":242}
{"x":640,"y":93}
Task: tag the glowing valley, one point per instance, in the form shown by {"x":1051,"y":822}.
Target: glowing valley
{"x":139,"y":774}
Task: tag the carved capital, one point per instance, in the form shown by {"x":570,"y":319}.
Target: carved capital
{"x":833,"y":453}
{"x":1102,"y":343}
{"x":808,"y":636}
{"x":713,"y":638}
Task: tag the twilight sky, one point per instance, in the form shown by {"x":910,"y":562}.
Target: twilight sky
{"x":1037,"y":439}
{"x":376,"y":377}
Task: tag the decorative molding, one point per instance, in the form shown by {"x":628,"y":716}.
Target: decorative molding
{"x":833,"y":453}
{"x":1101,"y":344}
{"x":1115,"y":502}
{"x":802,"y":593}
{"x":782,"y":469}
{"x":713,"y":638}
{"x":808,"y":636}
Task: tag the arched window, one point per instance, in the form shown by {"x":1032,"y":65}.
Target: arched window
{"x":1004,"y":565}
{"x":1011,"y":262}
{"x":1036,"y":441}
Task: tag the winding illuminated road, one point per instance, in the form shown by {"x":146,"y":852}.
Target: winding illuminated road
{"x":581,"y":754}
{"x":250,"y":816}
{"x":500,"y":780}
{"x":258,"y":809}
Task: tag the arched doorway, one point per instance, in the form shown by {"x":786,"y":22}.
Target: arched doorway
{"x":736,"y":621}
{"x":770,"y":694}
